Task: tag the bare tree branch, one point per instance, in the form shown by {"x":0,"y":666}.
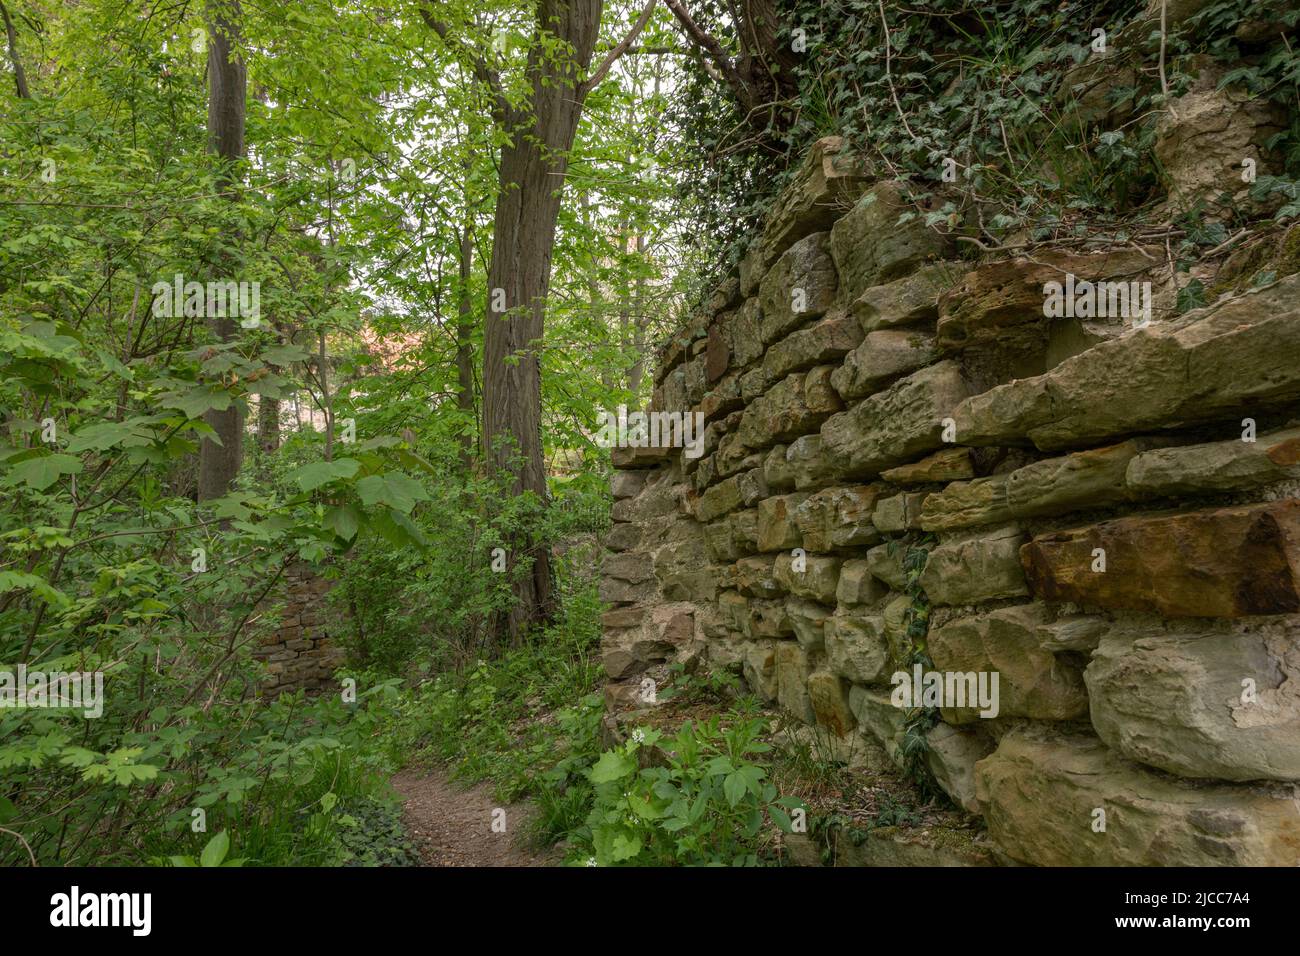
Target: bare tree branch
{"x":599,"y":73}
{"x":485,"y":75}
{"x":710,"y":46}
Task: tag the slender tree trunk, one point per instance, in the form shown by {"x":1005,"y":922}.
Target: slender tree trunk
{"x":624,"y":296}
{"x":268,"y":423}
{"x":532,"y":170}
{"x":637,"y":369}
{"x":11,"y":34}
{"x":326,"y":399}
{"x":465,"y":332}
{"x":227,"y":89}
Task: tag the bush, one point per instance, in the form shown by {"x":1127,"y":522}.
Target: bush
{"x":705,"y":804}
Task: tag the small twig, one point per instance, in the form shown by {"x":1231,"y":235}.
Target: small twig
{"x":26,"y":845}
{"x":889,"y":78}
{"x":1225,"y":243}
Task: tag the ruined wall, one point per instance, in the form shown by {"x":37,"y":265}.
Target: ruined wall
{"x":905,"y":462}
{"x":300,"y":653}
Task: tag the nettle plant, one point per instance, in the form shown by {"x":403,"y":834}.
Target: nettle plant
{"x":704,"y":802}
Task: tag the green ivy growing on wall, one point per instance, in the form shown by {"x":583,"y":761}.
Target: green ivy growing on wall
{"x":989,"y":86}
{"x":918,"y":721}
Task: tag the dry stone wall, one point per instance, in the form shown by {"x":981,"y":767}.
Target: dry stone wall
{"x":906,"y":463}
{"x":300,"y":653}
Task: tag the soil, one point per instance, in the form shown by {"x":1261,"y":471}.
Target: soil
{"x":453,"y":826}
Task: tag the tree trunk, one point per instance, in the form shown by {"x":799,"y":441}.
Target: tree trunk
{"x":227,"y":88}
{"x":761,"y":75}
{"x":268,"y":423}
{"x":326,"y":399}
{"x":465,"y":333}
{"x":637,"y":369}
{"x":11,"y":35}
{"x":531,"y":177}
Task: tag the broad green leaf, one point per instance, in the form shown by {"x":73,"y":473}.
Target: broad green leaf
{"x":200,"y":399}
{"x":11,"y":580}
{"x":40,"y":473}
{"x":395,"y":489}
{"x":624,"y":847}
{"x":411,"y":529}
{"x":283,"y":354}
{"x":734,"y":787}
{"x":343,"y":520}
{"x":318,"y":473}
{"x":216,"y":850}
{"x":103,"y":436}
{"x":612,"y":765}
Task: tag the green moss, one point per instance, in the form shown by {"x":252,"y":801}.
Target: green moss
{"x":1280,"y":257}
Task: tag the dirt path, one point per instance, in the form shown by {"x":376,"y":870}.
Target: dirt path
{"x":453,"y":827}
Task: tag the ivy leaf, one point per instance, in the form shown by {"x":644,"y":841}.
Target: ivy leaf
{"x":1191,"y":296}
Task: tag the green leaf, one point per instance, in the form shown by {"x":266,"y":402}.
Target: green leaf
{"x":283,"y":354}
{"x":12,"y":580}
{"x":40,"y":473}
{"x":310,"y":477}
{"x":216,"y":850}
{"x":1191,"y":296}
{"x":734,"y":786}
{"x":719,"y":765}
{"x":624,"y":847}
{"x":411,"y":529}
{"x":612,"y":765}
{"x":231,"y":506}
{"x":395,"y":489}
{"x":343,"y":520}
{"x":196,"y":401}
{"x":105,"y":435}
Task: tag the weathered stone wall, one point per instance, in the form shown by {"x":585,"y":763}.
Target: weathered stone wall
{"x":904,"y":460}
{"x":300,"y":653}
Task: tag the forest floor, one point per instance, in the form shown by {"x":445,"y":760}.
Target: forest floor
{"x":453,"y":826}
